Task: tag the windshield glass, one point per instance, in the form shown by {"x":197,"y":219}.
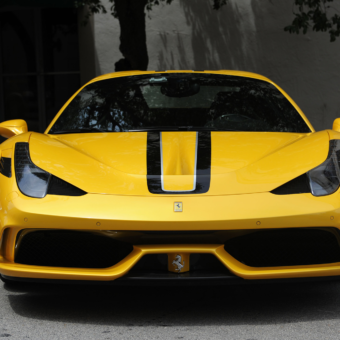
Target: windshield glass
{"x":179,"y":101}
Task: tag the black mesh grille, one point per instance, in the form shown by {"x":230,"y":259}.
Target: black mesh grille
{"x":58,"y":186}
{"x":298,"y":185}
{"x":58,"y":248}
{"x":285,"y":247}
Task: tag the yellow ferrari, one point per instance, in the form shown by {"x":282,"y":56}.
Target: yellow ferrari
{"x":171,"y":177}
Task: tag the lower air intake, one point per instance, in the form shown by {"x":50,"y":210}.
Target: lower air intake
{"x":58,"y":248}
{"x":285,"y":247}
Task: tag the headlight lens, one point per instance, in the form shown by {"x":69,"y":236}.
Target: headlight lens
{"x":325,"y":179}
{"x":32,"y":181}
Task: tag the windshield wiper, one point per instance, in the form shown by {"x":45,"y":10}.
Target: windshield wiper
{"x":203,"y":128}
{"x":144,"y":129}
{"x":79,"y":130}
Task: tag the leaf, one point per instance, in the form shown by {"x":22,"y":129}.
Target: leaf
{"x":313,"y":13}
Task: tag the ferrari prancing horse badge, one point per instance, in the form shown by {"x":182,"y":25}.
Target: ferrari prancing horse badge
{"x":178,"y":206}
{"x":177,"y":262}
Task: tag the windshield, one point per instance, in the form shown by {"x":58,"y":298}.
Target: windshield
{"x":179,"y":101}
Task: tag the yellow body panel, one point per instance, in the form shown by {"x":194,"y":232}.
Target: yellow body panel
{"x":115,"y":212}
{"x":178,"y":159}
{"x":13,"y":127}
{"x":275,"y":159}
{"x":123,"y":267}
{"x":112,"y":168}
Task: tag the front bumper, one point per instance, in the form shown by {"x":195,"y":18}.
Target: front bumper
{"x":11,"y":269}
{"x":108,"y":212}
{"x":230,"y":212}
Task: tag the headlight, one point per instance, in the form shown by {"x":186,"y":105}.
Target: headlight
{"x":32,"y":181}
{"x":35,"y":182}
{"x":325,"y":179}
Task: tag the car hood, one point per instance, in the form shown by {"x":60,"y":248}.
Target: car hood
{"x":119,"y":163}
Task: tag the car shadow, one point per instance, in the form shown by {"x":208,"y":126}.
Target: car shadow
{"x":178,"y":306}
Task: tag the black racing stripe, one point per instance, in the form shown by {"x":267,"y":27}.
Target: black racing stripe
{"x":154,"y":171}
{"x":203,"y":169}
{"x":6,"y":166}
{"x":203,"y":166}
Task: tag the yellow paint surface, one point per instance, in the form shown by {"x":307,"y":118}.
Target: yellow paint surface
{"x":179,"y":151}
{"x":111,"y":167}
{"x":241,"y":162}
{"x":107,"y":274}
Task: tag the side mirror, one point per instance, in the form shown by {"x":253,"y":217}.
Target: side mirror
{"x":14,"y":127}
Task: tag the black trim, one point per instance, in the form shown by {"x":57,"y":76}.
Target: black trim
{"x":203,"y":165}
{"x":298,"y":185}
{"x":6,"y":166}
{"x":58,"y":186}
{"x":176,"y":280}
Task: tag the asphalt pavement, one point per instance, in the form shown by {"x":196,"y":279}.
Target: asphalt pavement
{"x":247,"y":312}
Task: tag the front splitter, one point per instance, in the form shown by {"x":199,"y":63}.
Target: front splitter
{"x":152,"y":279}
{"x":121,"y":269}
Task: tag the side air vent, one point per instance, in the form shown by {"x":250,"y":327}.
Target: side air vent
{"x":66,"y":248}
{"x":5,"y":166}
{"x":298,"y":185}
{"x":59,"y":187}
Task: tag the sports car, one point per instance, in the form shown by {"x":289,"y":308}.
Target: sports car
{"x":171,"y":177}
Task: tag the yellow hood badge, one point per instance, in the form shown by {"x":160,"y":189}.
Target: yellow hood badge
{"x":178,"y":206}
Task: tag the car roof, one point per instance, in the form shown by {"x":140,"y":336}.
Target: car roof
{"x":224,"y":72}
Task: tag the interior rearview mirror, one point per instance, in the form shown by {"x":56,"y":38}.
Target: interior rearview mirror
{"x":14,"y":127}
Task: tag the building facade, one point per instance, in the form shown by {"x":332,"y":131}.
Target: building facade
{"x":46,"y":52}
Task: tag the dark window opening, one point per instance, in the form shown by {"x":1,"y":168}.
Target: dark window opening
{"x":39,"y":63}
{"x":180,"y":101}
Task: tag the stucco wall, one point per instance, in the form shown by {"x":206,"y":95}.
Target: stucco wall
{"x":245,"y":35}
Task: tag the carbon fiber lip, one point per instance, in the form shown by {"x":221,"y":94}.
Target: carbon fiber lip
{"x":180,"y":281}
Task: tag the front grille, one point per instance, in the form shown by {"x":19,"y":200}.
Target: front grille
{"x":285,"y":247}
{"x":58,"y":248}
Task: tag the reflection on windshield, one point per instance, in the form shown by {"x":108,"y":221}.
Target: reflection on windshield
{"x":179,"y":101}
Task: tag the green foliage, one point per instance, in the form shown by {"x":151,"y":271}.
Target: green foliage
{"x":94,"y":6}
{"x":317,"y":14}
